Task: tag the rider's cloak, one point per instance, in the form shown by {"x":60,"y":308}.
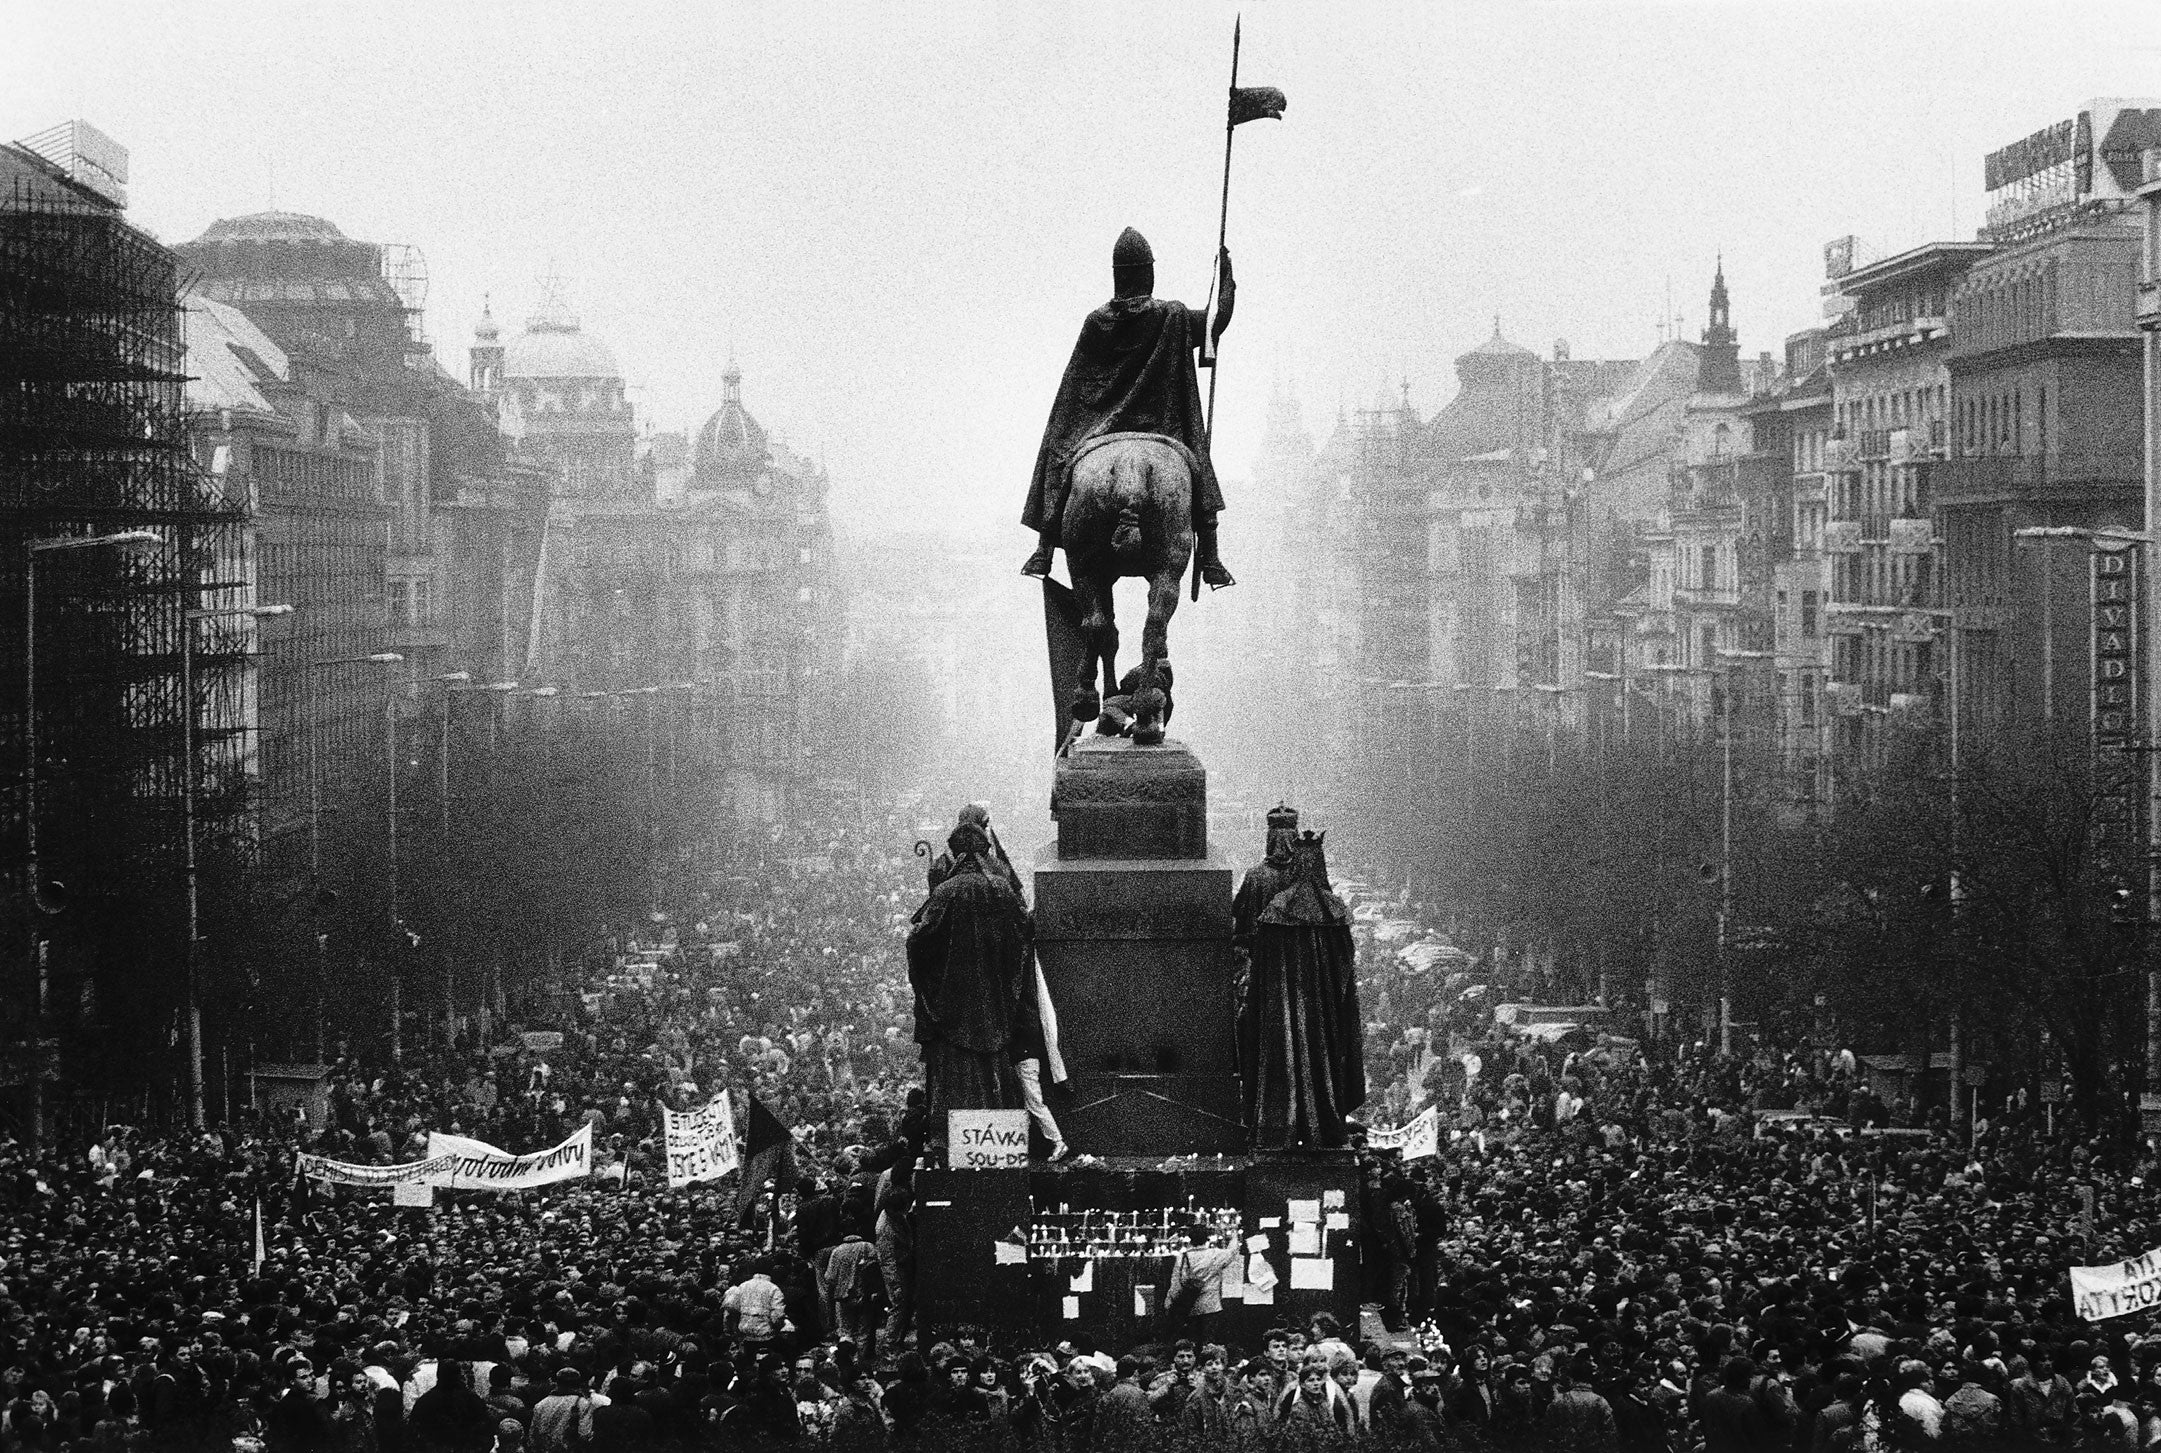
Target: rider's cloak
{"x":1132,"y":372}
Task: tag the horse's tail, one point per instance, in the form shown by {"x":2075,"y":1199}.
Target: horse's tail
{"x":1129,"y":487}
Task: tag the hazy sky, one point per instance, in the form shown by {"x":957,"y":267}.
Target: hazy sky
{"x":896,"y":215}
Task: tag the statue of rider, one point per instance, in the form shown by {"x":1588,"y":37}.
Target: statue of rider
{"x":1133,"y":372}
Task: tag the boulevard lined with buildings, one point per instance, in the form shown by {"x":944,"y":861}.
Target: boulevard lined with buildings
{"x":1868,"y":545}
{"x":276,"y":537}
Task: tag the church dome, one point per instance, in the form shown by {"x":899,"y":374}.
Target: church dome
{"x":553,"y":346}
{"x":732,"y":444}
{"x":272,"y":227}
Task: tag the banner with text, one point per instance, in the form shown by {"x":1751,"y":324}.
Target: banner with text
{"x":475,"y":1165}
{"x":2117,"y":1290}
{"x":345,"y":1173}
{"x":1422,"y":1137}
{"x":701,"y":1143}
{"x":987,"y":1139}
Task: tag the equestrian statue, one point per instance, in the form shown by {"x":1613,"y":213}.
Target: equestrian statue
{"x":1124,"y":485}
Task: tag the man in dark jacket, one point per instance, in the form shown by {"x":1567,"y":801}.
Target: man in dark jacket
{"x":450,"y":1417}
{"x":1733,"y":1421}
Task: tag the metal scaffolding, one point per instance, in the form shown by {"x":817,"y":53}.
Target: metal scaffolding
{"x":93,"y":442}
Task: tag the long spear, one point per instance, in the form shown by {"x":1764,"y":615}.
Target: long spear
{"x":1223,"y":227}
{"x":1251,"y":104}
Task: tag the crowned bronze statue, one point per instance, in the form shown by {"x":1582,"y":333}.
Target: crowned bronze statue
{"x":1123,"y":480}
{"x":1301,"y":1041}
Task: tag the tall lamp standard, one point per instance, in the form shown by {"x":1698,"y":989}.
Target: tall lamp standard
{"x":190,"y":960}
{"x":43,"y":895}
{"x":1730,"y":660}
{"x":315,"y":819}
{"x":2144,"y":707}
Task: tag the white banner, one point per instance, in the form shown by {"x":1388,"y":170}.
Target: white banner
{"x":2117,"y":1290}
{"x":475,"y":1165}
{"x":345,"y":1173}
{"x":701,"y":1143}
{"x":1422,"y":1137}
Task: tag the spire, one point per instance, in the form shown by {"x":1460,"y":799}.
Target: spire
{"x":484,"y":370}
{"x":1721,"y":311}
{"x":1718,"y":365}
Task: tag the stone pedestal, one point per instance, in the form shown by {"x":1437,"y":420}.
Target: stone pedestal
{"x":1133,"y":931}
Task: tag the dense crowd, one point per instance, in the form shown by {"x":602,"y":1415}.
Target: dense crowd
{"x":1619,"y":1246}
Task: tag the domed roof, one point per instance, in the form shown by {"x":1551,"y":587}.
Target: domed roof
{"x":1498,"y":347}
{"x":732,"y":443}
{"x":553,"y":347}
{"x":272,"y":227}
{"x":485,"y":330}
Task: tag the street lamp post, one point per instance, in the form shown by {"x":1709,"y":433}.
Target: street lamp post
{"x":2147,"y":716}
{"x":41,"y":896}
{"x":1725,"y":846}
{"x":191,"y":987}
{"x":315,"y":822}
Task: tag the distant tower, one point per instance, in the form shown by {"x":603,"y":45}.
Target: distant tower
{"x":1718,"y":369}
{"x":486,"y":372}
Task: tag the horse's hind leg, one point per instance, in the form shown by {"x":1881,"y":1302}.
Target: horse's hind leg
{"x":1155,"y":656}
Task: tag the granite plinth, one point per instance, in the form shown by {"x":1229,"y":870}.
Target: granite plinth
{"x":1138,"y":958}
{"x":1116,"y":800}
{"x":962,"y":1214}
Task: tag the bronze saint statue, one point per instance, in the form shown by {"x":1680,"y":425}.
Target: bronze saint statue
{"x":968,"y":963}
{"x":1301,"y":1041}
{"x":975,"y":814}
{"x":1123,"y":480}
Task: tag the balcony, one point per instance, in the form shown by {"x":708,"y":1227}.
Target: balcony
{"x":1842,"y":537}
{"x":1707,"y":598}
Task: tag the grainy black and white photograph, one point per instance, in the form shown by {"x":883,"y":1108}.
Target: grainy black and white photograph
{"x":1010,"y":727}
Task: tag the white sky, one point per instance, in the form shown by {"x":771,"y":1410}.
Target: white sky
{"x":896,"y":215}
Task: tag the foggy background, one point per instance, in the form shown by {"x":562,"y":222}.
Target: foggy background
{"x":894,"y":218}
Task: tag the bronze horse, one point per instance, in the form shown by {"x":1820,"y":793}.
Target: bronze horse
{"x":1129,"y":514}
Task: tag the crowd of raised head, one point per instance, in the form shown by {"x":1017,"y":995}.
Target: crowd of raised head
{"x":1613,"y":1248}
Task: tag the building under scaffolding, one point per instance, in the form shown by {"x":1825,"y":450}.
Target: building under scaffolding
{"x":93,"y":443}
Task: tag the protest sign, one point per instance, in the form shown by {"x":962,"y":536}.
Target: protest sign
{"x":2118,"y":1289}
{"x":345,"y":1173}
{"x":1422,"y":1137}
{"x":700,"y":1143}
{"x":987,"y":1139}
{"x":474,"y":1165}
{"x":540,"y":1041}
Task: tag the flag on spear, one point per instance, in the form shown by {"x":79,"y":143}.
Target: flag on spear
{"x":1256,"y":103}
{"x":260,"y":1258}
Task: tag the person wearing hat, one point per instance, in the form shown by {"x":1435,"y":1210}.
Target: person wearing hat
{"x":563,"y":1420}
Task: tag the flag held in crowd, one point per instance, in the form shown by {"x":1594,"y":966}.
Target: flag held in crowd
{"x":770,"y":1152}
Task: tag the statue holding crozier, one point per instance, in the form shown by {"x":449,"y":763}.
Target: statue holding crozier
{"x":968,"y":964}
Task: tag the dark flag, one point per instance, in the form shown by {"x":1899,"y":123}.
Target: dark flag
{"x":768,"y":1155}
{"x":1256,"y":103}
{"x":1068,"y":653}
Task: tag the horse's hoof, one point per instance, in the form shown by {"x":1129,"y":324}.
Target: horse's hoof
{"x":1086,"y":706}
{"x":1151,"y":736}
{"x":1110,"y":724}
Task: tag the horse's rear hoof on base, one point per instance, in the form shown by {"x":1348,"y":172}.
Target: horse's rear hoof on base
{"x":1148,"y":736}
